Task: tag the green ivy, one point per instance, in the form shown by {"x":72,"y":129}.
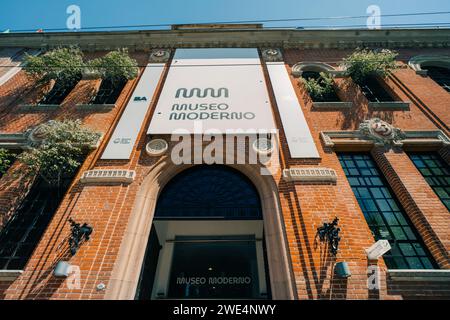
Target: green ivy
{"x":6,"y":159}
{"x":59,"y":154}
{"x":59,"y":64}
{"x":321,"y":88}
{"x":116,"y":66}
{"x":364,"y":63}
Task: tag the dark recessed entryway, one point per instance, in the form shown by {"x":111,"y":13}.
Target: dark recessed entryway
{"x":207,"y":239}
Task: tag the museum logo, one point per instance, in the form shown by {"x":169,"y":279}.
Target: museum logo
{"x":199,"y":93}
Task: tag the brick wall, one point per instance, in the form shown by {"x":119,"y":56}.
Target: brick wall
{"x":304,"y":206}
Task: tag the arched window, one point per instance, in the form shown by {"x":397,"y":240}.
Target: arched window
{"x":440,"y":75}
{"x":209,"y":192}
{"x":309,"y":66}
{"x":436,"y":67}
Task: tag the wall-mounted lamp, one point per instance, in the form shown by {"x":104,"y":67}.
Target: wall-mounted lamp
{"x":342,"y":270}
{"x":330,"y":232}
{"x":61,"y":269}
{"x":378,"y":249}
{"x":79,"y":233}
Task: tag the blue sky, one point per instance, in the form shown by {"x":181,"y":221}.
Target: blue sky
{"x":49,"y":14}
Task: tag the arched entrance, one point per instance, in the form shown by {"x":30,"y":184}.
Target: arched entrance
{"x":207,"y":239}
{"x":124,"y":281}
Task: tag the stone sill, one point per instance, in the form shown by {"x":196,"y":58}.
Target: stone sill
{"x":95,"y":107}
{"x":38,"y":107}
{"x":313,"y":174}
{"x":332,"y":105}
{"x":419,"y":275}
{"x":10,"y":275}
{"x":108,"y":176}
{"x":389,"y":105}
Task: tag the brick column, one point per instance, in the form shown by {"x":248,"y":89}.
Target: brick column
{"x":421,"y":204}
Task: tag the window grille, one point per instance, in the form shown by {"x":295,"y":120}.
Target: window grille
{"x":21,"y":235}
{"x":440,"y":75}
{"x":109,"y":91}
{"x":436,"y":172}
{"x":374,"y":92}
{"x":209,"y":192}
{"x":384,"y":215}
{"x":60,"y":91}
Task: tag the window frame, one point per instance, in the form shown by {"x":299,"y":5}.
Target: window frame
{"x":108,"y":92}
{"x":374,"y":91}
{"x":441,"y":180}
{"x":377,"y":217}
{"x":60,"y":91}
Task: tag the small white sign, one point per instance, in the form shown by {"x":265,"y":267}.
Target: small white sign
{"x":124,"y":137}
{"x":378,"y":249}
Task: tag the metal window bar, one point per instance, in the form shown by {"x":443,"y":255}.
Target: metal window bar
{"x":384,"y":215}
{"x":109,"y":91}
{"x":60,"y":91}
{"x":436,"y":172}
{"x":440,"y":75}
{"x":374,"y":92}
{"x":209,"y":192}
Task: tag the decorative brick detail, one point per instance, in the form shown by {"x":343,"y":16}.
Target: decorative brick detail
{"x":302,"y":206}
{"x":310,"y":174}
{"x":108,"y":175}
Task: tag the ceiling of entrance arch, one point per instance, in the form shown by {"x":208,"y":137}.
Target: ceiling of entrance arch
{"x":209,"y":192}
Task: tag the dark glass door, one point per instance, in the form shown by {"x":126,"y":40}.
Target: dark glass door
{"x":214,"y":269}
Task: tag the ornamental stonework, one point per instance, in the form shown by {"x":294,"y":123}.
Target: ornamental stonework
{"x":272,"y":55}
{"x":159,"y":56}
{"x":381,"y":132}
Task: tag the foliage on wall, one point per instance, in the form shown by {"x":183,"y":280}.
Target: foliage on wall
{"x":60,"y":151}
{"x":64,"y":64}
{"x":319,"y":89}
{"x":364,"y":63}
{"x":115,"y":66}
{"x":6,"y":159}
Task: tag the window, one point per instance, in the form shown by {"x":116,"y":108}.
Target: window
{"x":22,"y":233}
{"x":373,"y":90}
{"x":60,"y":91}
{"x":384,"y":215}
{"x":327,"y":97}
{"x":436,"y":172}
{"x":109,"y":91}
{"x":213,"y":192}
{"x":440,"y":75}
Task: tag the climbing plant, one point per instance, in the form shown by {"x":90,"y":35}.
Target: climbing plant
{"x":363,"y":63}
{"x":115,"y":66}
{"x":321,"y":88}
{"x":6,"y":159}
{"x":60,"y":149}
{"x":58,"y":64}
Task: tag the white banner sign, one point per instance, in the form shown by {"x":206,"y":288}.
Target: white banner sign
{"x":124,"y":137}
{"x":298,"y":135}
{"x":223,"y":88}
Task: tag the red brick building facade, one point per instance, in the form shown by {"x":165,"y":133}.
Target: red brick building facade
{"x":294,"y":204}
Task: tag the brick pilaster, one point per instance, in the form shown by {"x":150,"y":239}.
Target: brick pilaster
{"x":426,"y":211}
